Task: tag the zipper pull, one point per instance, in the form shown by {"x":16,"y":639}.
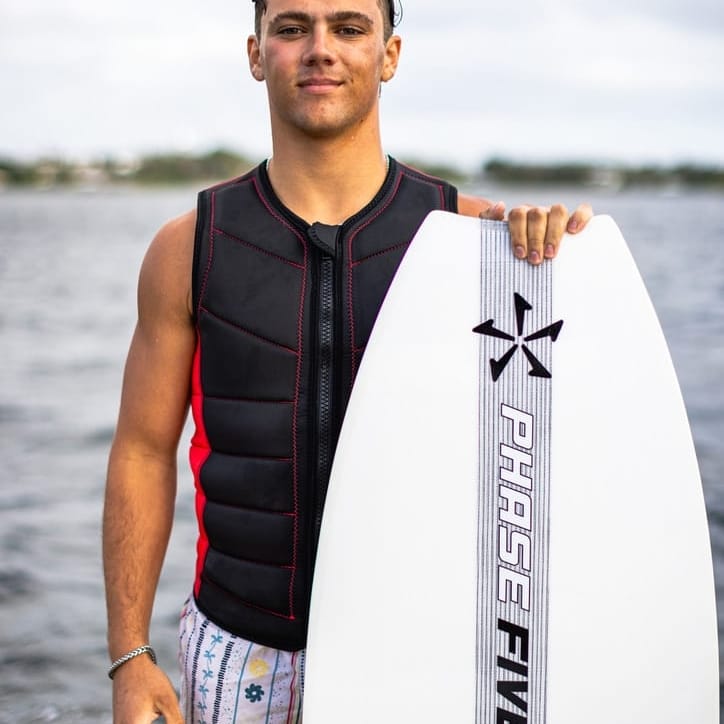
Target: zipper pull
{"x":324,"y":237}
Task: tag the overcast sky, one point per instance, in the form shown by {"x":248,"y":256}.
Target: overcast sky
{"x":623,"y":80}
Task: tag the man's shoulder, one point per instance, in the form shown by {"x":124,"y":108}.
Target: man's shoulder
{"x":422,"y":175}
{"x":438,"y":192}
{"x":177,"y":233}
{"x":248,"y":177}
{"x":167,"y":265}
{"x":165,"y":277}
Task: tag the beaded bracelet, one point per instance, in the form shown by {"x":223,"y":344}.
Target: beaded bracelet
{"x":131,"y":655}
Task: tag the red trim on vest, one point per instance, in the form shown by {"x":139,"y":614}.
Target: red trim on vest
{"x":355,"y":349}
{"x":350,"y":277}
{"x":198,"y":454}
{"x":297,"y":392}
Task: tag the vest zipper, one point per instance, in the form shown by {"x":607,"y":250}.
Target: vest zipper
{"x":326,"y":367}
{"x":325,"y":388}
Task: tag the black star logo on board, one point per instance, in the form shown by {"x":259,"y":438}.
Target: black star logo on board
{"x":537,"y":369}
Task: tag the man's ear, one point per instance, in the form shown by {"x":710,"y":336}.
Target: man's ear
{"x":254,"y":53}
{"x":392,"y":57}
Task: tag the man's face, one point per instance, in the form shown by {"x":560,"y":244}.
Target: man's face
{"x":323,"y":61}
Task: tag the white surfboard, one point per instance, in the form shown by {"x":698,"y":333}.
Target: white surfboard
{"x":515,"y":527}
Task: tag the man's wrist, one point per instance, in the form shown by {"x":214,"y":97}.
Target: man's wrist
{"x":139,"y":651}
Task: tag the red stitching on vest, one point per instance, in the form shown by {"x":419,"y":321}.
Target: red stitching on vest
{"x":253,"y":509}
{"x":276,"y":216}
{"x":207,"y":271}
{"x":247,"y":331}
{"x":286,"y":617}
{"x":426,"y":179}
{"x":350,"y":283}
{"x":295,"y":453}
{"x":380,"y":253}
{"x":259,"y":249}
{"x":280,"y":566}
{"x":408,"y":173}
{"x":300,"y":338}
{"x":254,"y":457}
{"x":267,"y":401}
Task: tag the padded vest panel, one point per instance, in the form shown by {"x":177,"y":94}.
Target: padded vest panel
{"x":274,"y":298}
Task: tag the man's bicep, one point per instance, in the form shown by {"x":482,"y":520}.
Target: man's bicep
{"x":157,"y":377}
{"x":155,"y":395}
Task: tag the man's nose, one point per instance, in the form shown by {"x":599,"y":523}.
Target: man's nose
{"x":319,"y":49}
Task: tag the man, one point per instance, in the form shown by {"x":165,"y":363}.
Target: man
{"x":256,"y":309}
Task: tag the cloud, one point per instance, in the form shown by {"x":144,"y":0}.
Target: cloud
{"x":641,"y":79}
{"x":89,"y":77}
{"x":699,"y":17}
{"x":568,"y":80}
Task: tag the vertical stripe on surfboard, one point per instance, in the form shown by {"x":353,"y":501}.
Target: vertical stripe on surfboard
{"x":514,"y":482}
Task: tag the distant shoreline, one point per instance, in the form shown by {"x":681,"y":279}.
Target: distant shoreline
{"x":169,"y":169}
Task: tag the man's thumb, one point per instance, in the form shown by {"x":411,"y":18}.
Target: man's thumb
{"x":495,"y":212}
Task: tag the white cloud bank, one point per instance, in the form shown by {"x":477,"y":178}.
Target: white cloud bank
{"x":637,"y":81}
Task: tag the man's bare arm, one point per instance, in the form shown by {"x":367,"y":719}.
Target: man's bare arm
{"x":141,"y":484}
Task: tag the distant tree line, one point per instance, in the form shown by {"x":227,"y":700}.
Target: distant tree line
{"x":14,"y":173}
{"x":180,"y":168}
{"x":176,"y":167}
{"x":582,"y":174}
{"x":168,"y":168}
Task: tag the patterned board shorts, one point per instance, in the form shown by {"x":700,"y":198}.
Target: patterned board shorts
{"x":227,"y":680}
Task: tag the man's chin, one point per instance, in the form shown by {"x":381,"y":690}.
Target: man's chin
{"x":324,"y":129}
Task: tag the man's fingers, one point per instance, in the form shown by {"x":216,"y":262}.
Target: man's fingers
{"x":579,"y":219}
{"x":142,"y":693}
{"x":536,"y":231}
{"x":518,"y":227}
{"x":170,"y":711}
{"x":556,"y":227}
{"x":528,"y":232}
{"x":537,"y":225}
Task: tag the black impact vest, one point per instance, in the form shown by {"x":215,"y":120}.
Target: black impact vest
{"x":283,"y":312}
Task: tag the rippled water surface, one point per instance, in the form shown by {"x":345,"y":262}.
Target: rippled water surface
{"x":68,"y":266}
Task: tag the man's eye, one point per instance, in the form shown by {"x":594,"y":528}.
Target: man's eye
{"x":290,"y":30}
{"x":349,"y":30}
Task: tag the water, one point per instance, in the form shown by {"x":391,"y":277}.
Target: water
{"x":68,"y":266}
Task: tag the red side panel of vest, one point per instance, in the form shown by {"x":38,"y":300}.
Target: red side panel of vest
{"x":200,"y":451}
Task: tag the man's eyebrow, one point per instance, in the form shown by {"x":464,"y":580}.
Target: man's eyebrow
{"x":343,"y":16}
{"x":290,"y":15}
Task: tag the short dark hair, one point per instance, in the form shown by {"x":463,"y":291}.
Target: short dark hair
{"x":391,"y":17}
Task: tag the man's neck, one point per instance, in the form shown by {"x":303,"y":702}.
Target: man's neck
{"x":327,"y":181}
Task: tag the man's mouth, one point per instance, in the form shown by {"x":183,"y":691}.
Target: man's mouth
{"x":319,"y":84}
